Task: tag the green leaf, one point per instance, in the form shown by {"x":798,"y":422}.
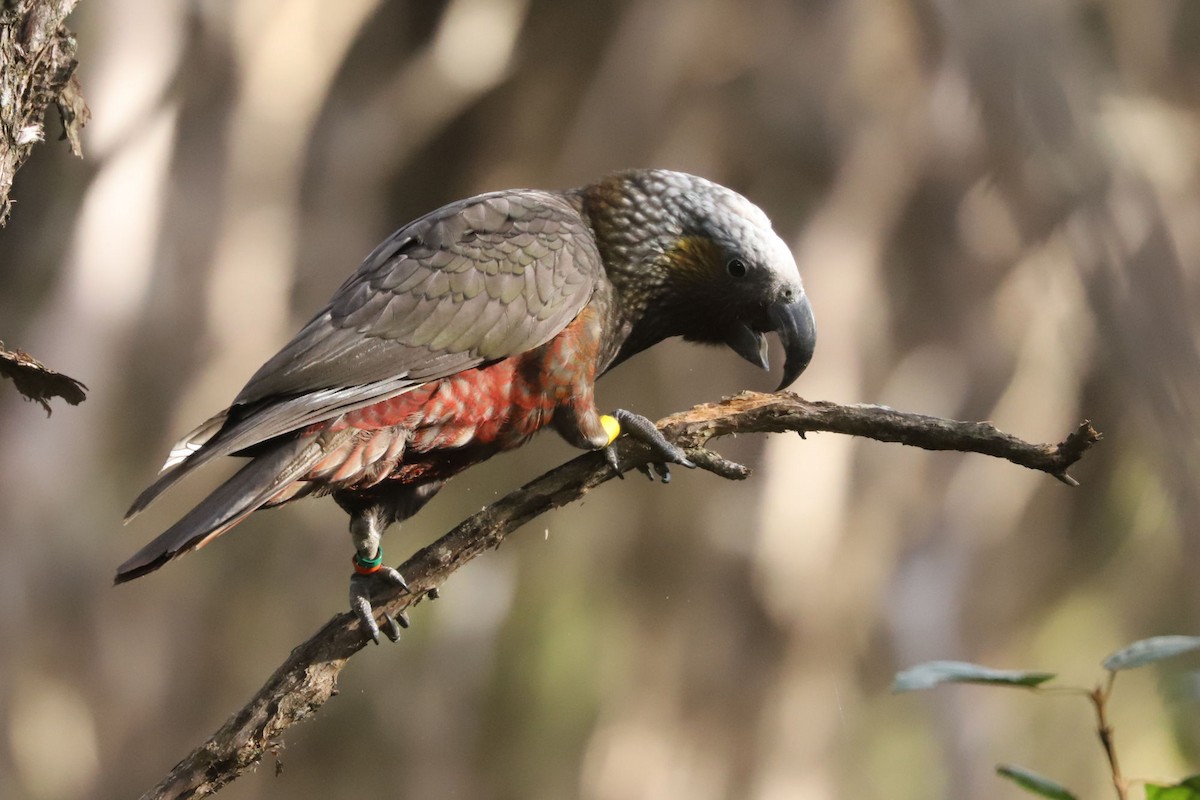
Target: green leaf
{"x":934,"y":673}
{"x":1187,"y":789}
{"x":1147,"y":651}
{"x":1032,"y":782}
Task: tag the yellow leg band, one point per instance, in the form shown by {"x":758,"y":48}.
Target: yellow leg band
{"x":611,"y":427}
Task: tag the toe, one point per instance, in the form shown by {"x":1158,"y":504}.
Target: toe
{"x":610,"y":455}
{"x":642,"y":429}
{"x":361,"y":607}
{"x":392,"y":576}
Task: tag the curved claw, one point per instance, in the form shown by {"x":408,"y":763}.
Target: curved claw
{"x":610,"y":455}
{"x":392,"y":629}
{"x":360,"y":602}
{"x":390,"y":575}
{"x":656,"y":470}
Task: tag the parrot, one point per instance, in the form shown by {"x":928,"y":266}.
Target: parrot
{"x":470,"y":329}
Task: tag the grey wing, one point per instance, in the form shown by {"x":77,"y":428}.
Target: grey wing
{"x":476,"y":281}
{"x":473,"y":282}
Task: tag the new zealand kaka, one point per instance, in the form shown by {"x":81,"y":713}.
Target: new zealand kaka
{"x":470,"y":329}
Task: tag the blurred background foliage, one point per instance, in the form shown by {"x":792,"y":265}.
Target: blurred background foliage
{"x":995,"y":209}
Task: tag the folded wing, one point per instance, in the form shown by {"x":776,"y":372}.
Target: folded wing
{"x":474,"y":282}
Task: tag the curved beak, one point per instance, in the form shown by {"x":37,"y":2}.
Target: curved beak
{"x":798,"y":333}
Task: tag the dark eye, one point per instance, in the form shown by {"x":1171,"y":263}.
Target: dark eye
{"x":736,"y":268}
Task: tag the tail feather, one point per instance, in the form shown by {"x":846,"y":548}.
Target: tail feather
{"x":242,"y":429}
{"x":194,"y":440}
{"x":252,"y":487}
{"x":186,"y":454}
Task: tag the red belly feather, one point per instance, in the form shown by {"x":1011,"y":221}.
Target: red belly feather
{"x":440,"y":428}
{"x":497,"y":404}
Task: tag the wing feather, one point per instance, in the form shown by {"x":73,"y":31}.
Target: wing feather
{"x":386,"y":331}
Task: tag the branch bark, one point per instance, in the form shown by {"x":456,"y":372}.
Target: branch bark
{"x":308,"y":678}
{"x":37,"y":68}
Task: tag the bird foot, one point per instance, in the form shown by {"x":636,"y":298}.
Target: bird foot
{"x":361,"y":583}
{"x":643,"y":430}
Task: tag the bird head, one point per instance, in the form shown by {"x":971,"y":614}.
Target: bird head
{"x":691,"y":258}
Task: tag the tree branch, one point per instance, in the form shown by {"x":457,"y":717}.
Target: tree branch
{"x":38,"y":382}
{"x":308,"y":678}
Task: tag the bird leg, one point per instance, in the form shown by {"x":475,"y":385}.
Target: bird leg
{"x":643,"y":430}
{"x":366,"y":529}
